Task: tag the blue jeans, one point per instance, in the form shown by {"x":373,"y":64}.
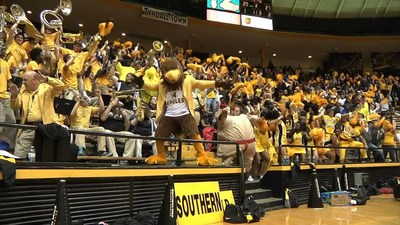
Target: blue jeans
{"x":391,"y":149}
{"x":377,"y":153}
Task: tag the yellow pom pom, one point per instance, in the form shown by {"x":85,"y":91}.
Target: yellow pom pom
{"x":128,"y":44}
{"x":279,"y":77}
{"x":117,"y":44}
{"x":110,"y":26}
{"x":317,"y":133}
{"x":102,"y":29}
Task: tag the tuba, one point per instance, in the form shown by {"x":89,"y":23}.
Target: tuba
{"x":65,"y":7}
{"x":18,"y":13}
{"x":4,"y":18}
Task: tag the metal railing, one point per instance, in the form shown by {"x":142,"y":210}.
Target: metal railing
{"x":239,"y":154}
{"x":310,"y":150}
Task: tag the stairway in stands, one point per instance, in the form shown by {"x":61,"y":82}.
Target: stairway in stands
{"x":263,"y":196}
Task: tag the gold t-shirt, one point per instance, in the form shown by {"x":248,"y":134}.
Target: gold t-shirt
{"x":83,"y":115}
{"x":4,"y":77}
{"x":17,"y":54}
{"x":33,"y":65}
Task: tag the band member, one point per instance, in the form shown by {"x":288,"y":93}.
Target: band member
{"x":116,"y":120}
{"x":80,"y":119}
{"x":69,"y":73}
{"x":6,"y":113}
{"x":16,"y":56}
{"x":36,"y":62}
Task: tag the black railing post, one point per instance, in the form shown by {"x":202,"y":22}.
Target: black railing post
{"x":240,"y":160}
{"x":179,"y":154}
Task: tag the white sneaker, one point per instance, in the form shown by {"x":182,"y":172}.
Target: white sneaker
{"x":251,"y":179}
{"x":227,"y":162}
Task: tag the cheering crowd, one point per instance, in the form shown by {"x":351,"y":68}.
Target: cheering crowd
{"x":276,"y":115}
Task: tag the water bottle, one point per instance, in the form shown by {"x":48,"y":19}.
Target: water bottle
{"x":32,"y":154}
{"x":314,"y":159}
{"x":286,"y":160}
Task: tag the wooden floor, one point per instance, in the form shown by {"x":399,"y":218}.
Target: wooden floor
{"x":380,"y":210}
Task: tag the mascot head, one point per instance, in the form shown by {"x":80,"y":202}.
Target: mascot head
{"x":172,"y":73}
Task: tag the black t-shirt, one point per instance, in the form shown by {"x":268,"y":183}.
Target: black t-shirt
{"x":113,"y":124}
{"x":143,"y":128}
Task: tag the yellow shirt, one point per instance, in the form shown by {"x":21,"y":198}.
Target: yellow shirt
{"x":87,"y":82}
{"x":83,"y":115}
{"x":278,"y":137}
{"x":103,"y":80}
{"x":28,"y":46}
{"x":17,"y":54}
{"x":34,"y":112}
{"x":33,"y":65}
{"x":49,"y":40}
{"x":4,"y":77}
{"x":69,"y":75}
{"x":95,"y":67}
{"x":211,"y":94}
{"x":388,"y":139}
{"x":297,"y":140}
{"x":330,"y":123}
{"x":262,"y":140}
{"x":348,"y":132}
{"x":80,"y":57}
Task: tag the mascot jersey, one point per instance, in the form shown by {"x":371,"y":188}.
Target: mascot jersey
{"x":175,"y":102}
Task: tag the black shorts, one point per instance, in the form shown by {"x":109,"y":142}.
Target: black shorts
{"x":177,"y":125}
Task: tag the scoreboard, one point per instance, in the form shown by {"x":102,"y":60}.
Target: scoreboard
{"x":249,"y":13}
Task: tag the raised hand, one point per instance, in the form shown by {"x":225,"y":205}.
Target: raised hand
{"x":40,"y":77}
{"x":14,"y":90}
{"x":98,"y":92}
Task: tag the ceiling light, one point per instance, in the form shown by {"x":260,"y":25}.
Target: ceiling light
{"x":29,"y":12}
{"x":165,"y":42}
{"x":274,"y":55}
{"x":80,"y":25}
{"x":123,"y":34}
{"x":240,"y":51}
{"x":310,"y":56}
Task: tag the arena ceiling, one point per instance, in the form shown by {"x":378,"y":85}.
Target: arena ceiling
{"x":208,"y":37}
{"x":329,"y":9}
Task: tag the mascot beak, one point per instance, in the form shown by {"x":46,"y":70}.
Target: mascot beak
{"x":172,"y":76}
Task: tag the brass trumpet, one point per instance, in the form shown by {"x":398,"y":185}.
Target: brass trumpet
{"x":69,"y":38}
{"x":124,"y":94}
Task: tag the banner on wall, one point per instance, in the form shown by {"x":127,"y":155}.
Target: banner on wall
{"x":164,"y":16}
{"x":201,"y":201}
